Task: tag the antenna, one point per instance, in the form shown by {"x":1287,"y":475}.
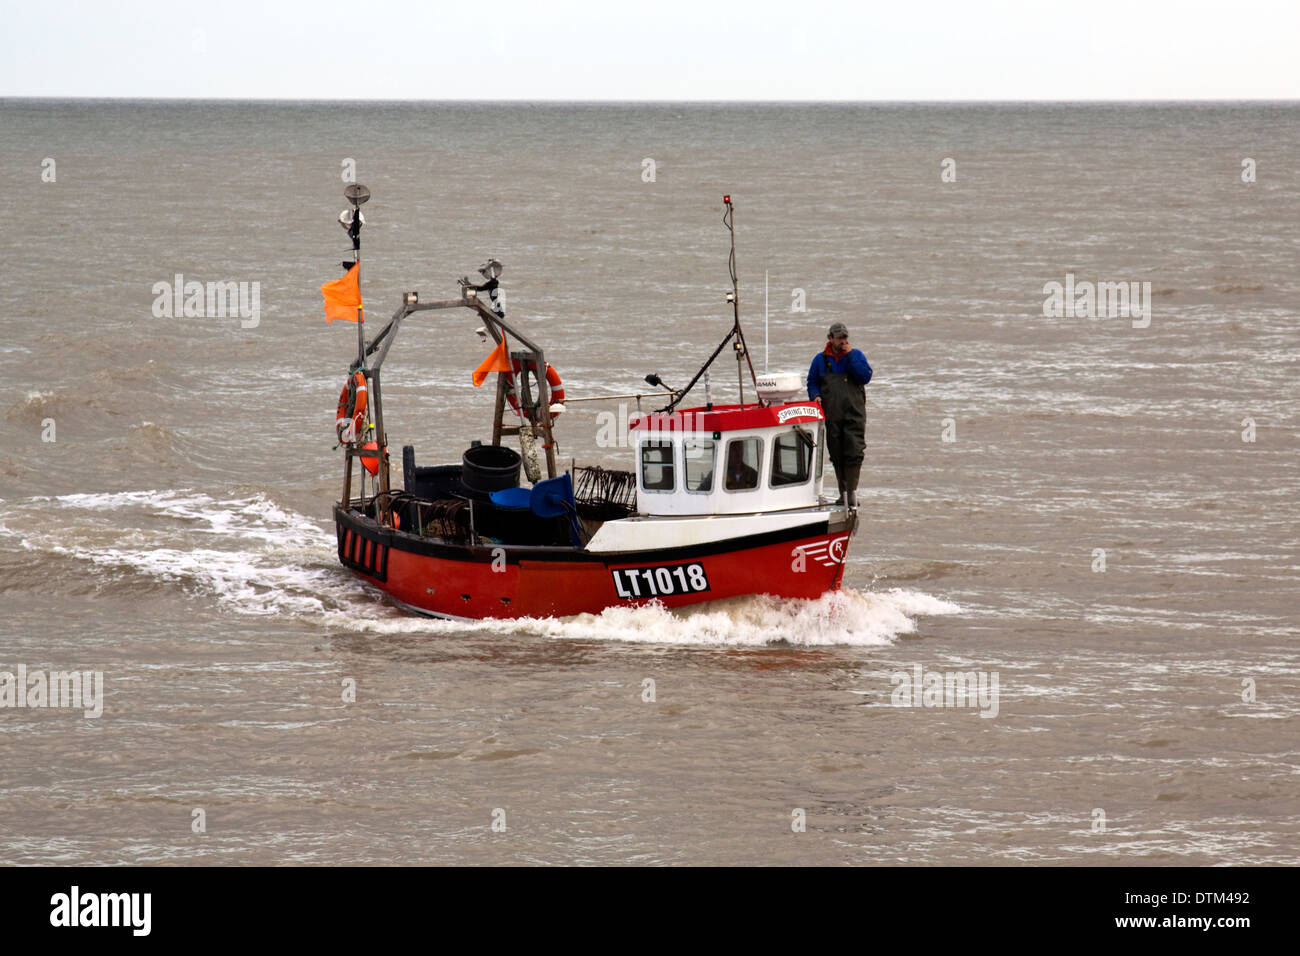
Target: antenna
{"x":764,"y":321}
{"x":742,"y":352}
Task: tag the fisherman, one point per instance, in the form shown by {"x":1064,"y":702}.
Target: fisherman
{"x":836,"y":382}
{"x":491,"y":272}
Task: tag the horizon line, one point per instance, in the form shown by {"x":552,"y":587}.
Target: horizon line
{"x":638,"y":101}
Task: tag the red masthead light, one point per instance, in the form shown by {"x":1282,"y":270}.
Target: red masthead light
{"x":726,"y":199}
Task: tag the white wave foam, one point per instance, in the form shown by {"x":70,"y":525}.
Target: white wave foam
{"x":274,"y":561}
{"x":846,"y":617}
{"x":860,"y":618}
{"x":254,"y":557}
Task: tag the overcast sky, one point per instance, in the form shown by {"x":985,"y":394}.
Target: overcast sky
{"x":657,"y":49}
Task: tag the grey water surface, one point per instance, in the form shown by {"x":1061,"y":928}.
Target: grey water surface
{"x":1100,"y":512}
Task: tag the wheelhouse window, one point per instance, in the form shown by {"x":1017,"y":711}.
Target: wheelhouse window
{"x":657,"y":466}
{"x":791,"y":459}
{"x":699,"y":454}
{"x":740,"y":468}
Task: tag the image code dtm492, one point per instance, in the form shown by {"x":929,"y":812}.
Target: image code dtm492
{"x":662,"y":581}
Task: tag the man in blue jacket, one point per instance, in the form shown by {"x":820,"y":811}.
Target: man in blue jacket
{"x":836,"y":382}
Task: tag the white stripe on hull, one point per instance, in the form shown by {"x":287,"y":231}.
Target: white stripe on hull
{"x":646,"y":534}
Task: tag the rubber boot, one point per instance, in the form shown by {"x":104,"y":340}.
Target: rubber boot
{"x":851,"y":475}
{"x":839,"y":478}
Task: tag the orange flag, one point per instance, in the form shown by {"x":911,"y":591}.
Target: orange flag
{"x":343,"y":295}
{"x":497,"y":361}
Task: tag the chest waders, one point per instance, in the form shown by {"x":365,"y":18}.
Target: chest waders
{"x":845,"y":406}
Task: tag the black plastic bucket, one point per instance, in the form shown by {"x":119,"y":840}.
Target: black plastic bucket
{"x":488,"y":468}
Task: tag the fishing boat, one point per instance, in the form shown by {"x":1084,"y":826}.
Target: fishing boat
{"x":720,"y":500}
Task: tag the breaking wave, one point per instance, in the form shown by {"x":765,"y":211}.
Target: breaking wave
{"x":36,"y":407}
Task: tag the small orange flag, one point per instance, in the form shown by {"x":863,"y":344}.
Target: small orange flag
{"x":497,"y":361}
{"x":343,"y":295}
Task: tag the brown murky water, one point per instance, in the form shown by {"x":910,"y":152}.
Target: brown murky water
{"x":174,"y":534}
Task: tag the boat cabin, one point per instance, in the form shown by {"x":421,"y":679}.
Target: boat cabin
{"x":728,"y":459}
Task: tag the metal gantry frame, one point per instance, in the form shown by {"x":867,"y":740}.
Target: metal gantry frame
{"x":531,"y":359}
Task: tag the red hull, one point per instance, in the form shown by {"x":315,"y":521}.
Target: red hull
{"x":508,"y":582}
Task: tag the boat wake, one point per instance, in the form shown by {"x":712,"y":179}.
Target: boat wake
{"x":253,"y":556}
{"x":862,"y":618}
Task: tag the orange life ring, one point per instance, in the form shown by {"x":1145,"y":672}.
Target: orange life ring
{"x":352,"y":406}
{"x":552,"y":379}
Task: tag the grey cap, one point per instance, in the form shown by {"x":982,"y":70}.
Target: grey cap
{"x":839,"y":328}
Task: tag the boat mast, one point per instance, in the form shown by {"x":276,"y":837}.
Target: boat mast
{"x":736,"y":332}
{"x":742,"y":351}
{"x":352,"y":221}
